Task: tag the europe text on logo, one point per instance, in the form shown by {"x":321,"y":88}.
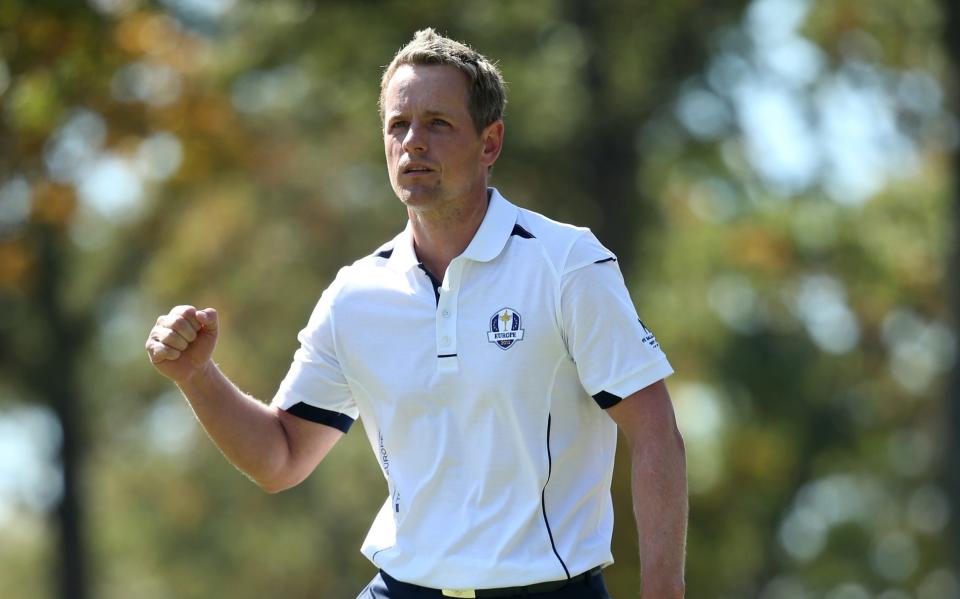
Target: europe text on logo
{"x":505,"y":328}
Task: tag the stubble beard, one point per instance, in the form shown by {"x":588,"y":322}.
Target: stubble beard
{"x":435,"y":201}
{"x":423,"y":198}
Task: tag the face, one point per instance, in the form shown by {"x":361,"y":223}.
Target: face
{"x":434,"y":154}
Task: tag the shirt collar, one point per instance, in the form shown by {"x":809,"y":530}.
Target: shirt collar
{"x":494,"y":231}
{"x":487,"y":242}
{"x":403,"y":257}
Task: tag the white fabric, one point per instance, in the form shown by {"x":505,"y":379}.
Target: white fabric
{"x":463,"y":439}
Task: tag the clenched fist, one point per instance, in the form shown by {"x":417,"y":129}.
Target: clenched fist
{"x":181,"y":343}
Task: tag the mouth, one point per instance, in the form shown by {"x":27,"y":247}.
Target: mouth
{"x":415,"y":169}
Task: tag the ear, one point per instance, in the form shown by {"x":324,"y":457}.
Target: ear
{"x":492,"y":137}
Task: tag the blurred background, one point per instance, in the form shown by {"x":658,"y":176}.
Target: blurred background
{"x":778,"y":178}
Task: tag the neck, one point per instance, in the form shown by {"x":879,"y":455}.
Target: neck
{"x":440,"y":235}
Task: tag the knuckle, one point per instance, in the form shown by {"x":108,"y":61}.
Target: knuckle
{"x":154,"y":352}
{"x":167,"y":337}
{"x":175,"y":342}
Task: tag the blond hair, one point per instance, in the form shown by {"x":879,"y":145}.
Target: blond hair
{"x":486,"y":97}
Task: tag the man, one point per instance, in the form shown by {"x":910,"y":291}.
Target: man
{"x":491,"y":354}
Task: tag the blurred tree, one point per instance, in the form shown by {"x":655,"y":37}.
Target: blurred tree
{"x":88,"y":114}
{"x":776,"y":190}
{"x":805,"y":239}
{"x":43,"y":336}
{"x":951,"y":35}
{"x":631,"y":62}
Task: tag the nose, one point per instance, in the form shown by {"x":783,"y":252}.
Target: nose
{"x":415,"y":140}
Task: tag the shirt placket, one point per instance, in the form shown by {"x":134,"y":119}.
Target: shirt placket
{"x":446,"y":318}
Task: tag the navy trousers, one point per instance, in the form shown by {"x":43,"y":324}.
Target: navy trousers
{"x":385,"y":587}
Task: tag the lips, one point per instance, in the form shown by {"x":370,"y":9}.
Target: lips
{"x":415,"y":168}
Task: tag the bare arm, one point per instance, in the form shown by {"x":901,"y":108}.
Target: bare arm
{"x":659,"y":472}
{"x":275,"y":449}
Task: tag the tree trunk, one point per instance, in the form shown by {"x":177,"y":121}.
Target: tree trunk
{"x":608,"y":143}
{"x":72,"y":575}
{"x":951,"y":13}
{"x":55,"y":377}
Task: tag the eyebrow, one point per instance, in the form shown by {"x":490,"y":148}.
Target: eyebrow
{"x":427,"y":113}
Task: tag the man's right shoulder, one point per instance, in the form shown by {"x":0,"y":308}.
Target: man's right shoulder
{"x":382,"y":253}
{"x":366,"y":271}
{"x":377,"y":259}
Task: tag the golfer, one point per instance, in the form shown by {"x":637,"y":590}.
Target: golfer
{"x":491,"y":354}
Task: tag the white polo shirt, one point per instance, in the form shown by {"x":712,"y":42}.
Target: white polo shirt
{"x":482,"y":397}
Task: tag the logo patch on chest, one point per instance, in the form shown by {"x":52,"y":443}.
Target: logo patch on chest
{"x":505,"y":328}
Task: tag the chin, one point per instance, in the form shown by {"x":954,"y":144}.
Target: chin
{"x":418,"y":197}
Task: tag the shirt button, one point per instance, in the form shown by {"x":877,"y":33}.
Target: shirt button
{"x":446,"y":313}
{"x":445,"y":341}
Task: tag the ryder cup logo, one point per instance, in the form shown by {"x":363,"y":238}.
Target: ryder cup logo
{"x":505,"y":328}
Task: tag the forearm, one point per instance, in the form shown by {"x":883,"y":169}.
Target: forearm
{"x":661,"y":509}
{"x":247,"y":431}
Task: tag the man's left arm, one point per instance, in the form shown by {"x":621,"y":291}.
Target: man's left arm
{"x":659,"y":476}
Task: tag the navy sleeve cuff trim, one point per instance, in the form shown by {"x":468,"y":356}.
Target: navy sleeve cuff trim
{"x":339,"y":421}
{"x":606,"y":400}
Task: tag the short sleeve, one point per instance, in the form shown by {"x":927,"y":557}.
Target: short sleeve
{"x":314,"y":387}
{"x":615,"y":353}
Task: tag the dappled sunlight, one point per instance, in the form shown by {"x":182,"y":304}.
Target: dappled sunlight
{"x":702,"y":418}
{"x":30,"y":478}
{"x":773,"y":175}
